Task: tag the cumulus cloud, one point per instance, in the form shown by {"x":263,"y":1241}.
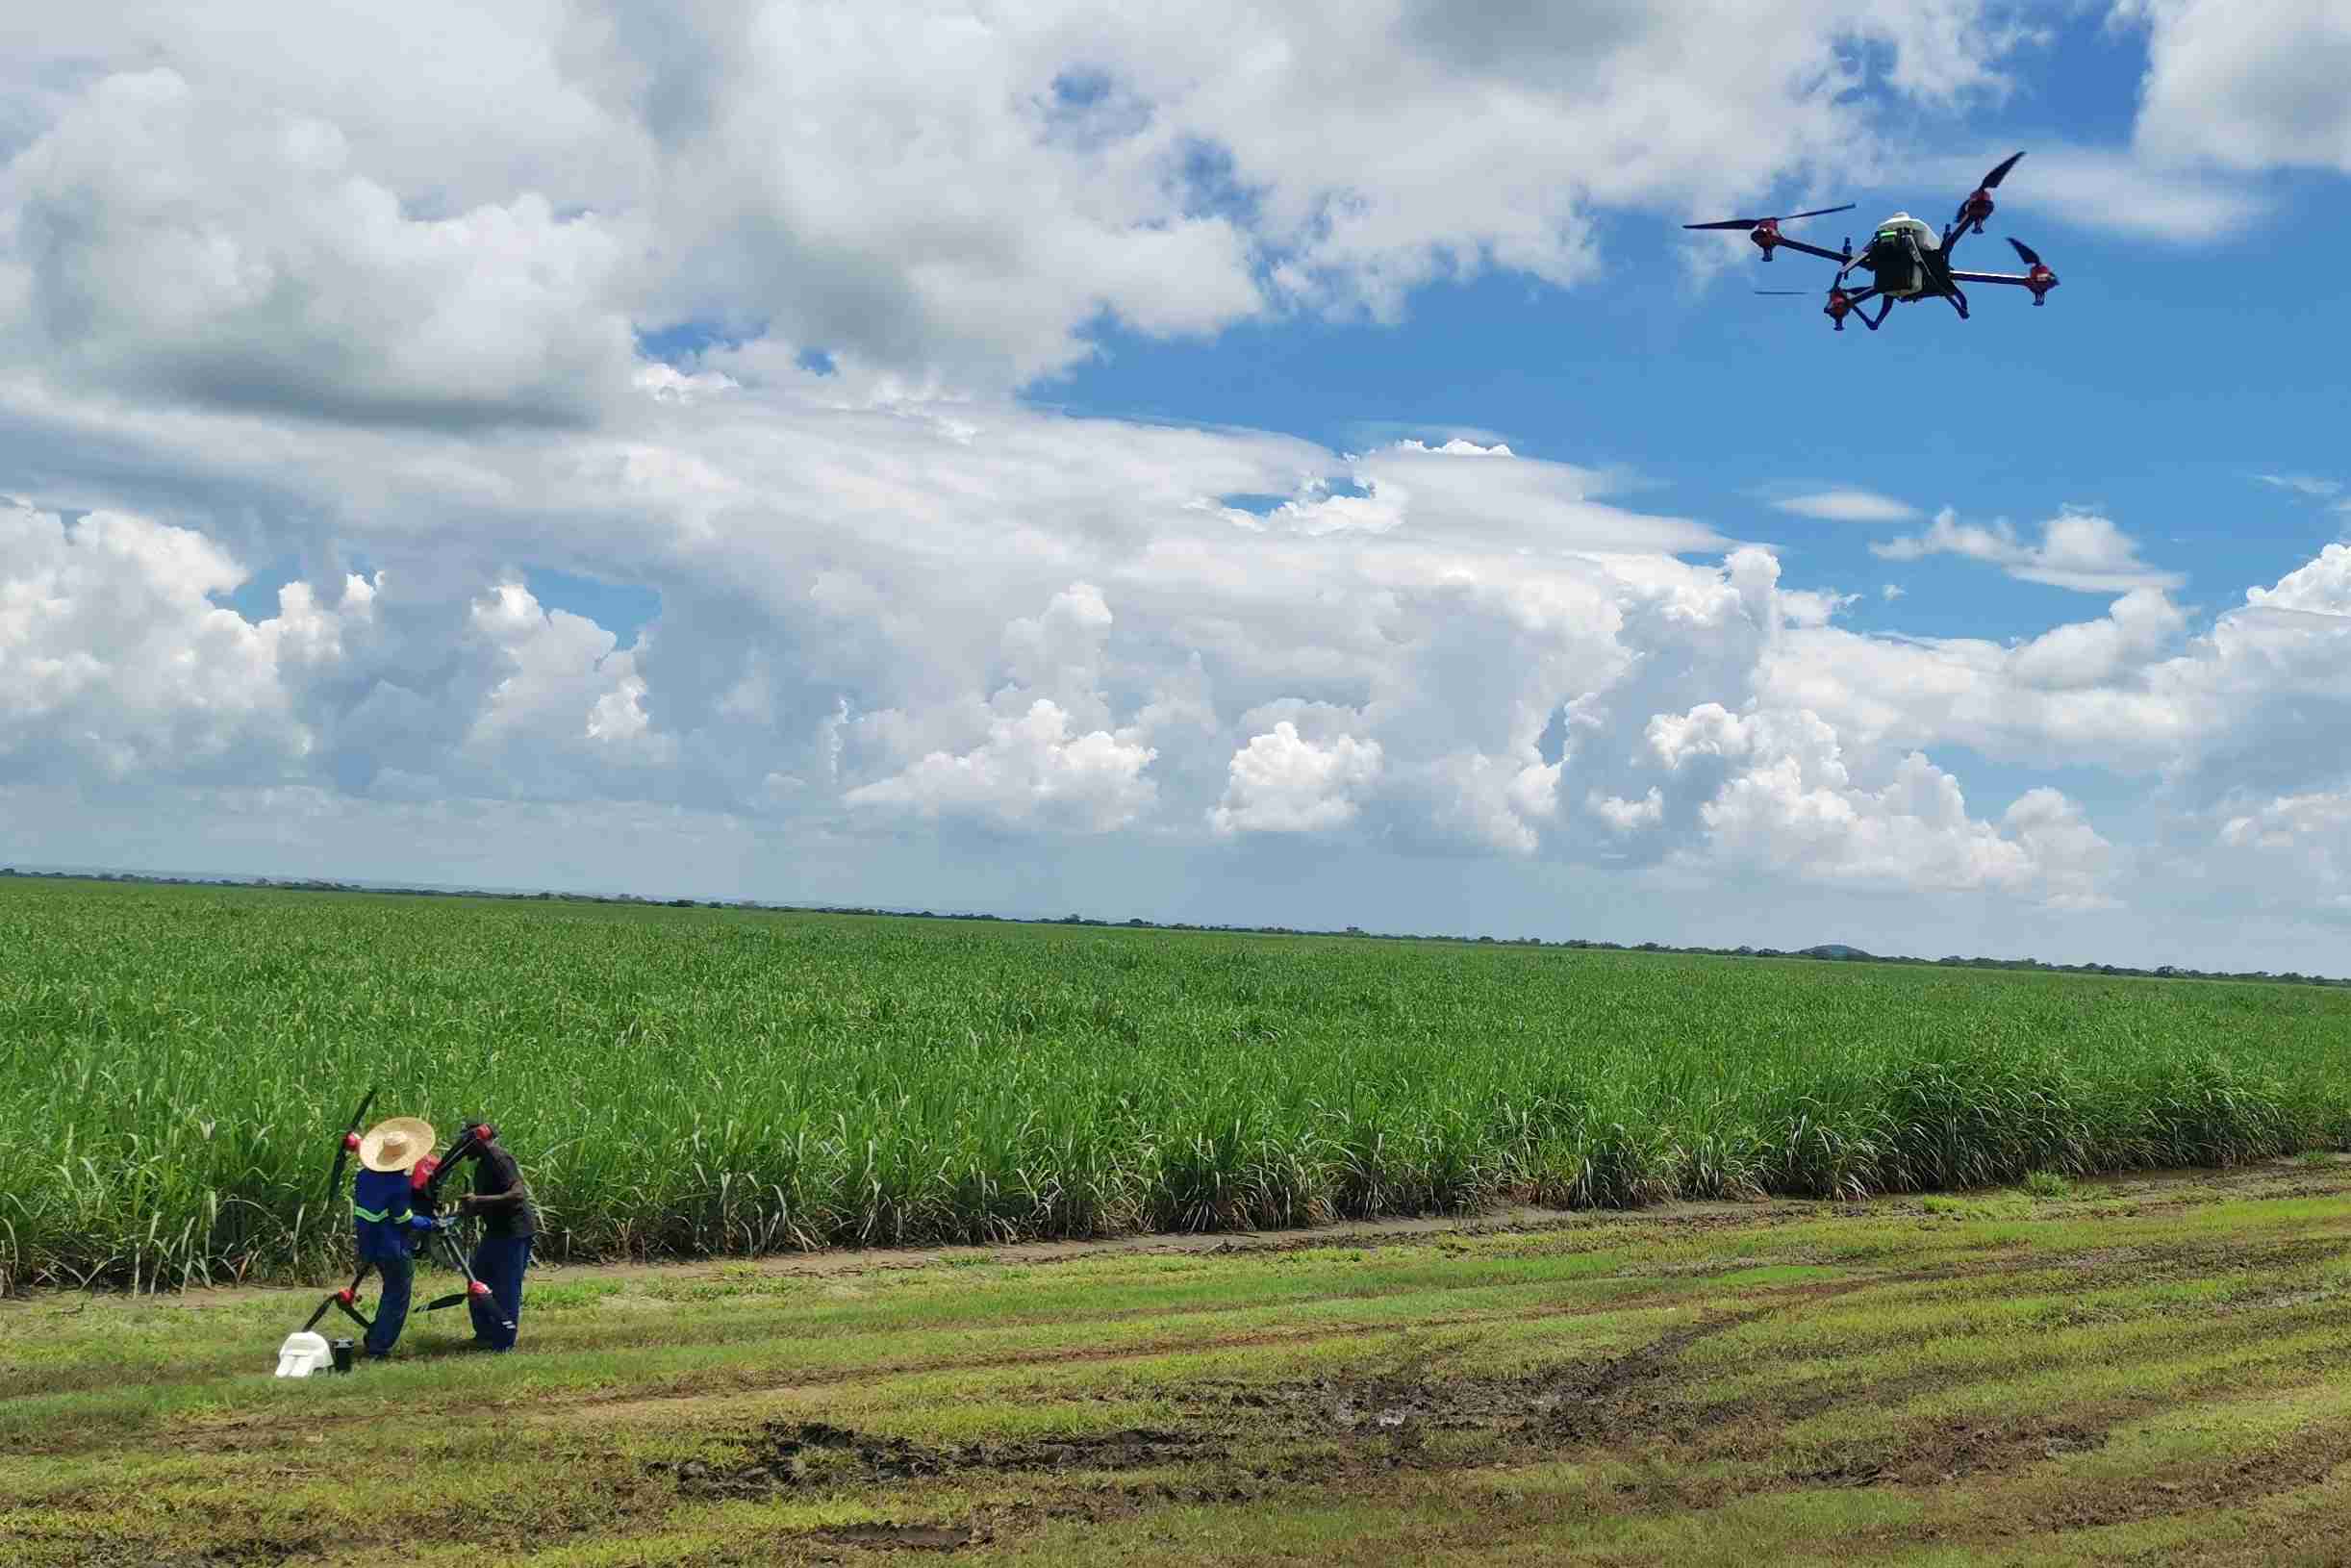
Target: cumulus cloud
{"x":2244,"y":89}
{"x":936,"y":195}
{"x":2255,"y":702}
{"x":248,"y":264}
{"x":564,"y":702}
{"x":114,"y":659}
{"x":1784,"y":799}
{"x":1847,"y":506}
{"x":116,"y":664}
{"x":1283,"y":783}
{"x":2140,"y":624}
{"x":1030,"y":768}
{"x":2078,"y":549}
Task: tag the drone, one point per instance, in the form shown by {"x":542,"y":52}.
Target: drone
{"x":1905,"y":259}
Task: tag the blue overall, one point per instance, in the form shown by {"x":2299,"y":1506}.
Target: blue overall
{"x":498,"y":1262}
{"x":380,"y":1212}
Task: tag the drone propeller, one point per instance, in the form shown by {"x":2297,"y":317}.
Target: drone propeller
{"x":1979,"y":204}
{"x":2040,"y":280}
{"x":1783,"y":217}
{"x":1805,"y":291}
{"x":350,"y":1141}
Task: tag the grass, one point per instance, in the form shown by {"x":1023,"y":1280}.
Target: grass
{"x":176,"y":1065}
{"x":2148,"y":1372}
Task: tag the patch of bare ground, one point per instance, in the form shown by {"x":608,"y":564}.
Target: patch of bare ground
{"x":2306,"y":1460}
{"x":904,"y":1537}
{"x":605,"y":1405}
{"x":1241,"y":1440}
{"x":1957,"y":1450}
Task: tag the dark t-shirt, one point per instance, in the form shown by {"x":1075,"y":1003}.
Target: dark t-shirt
{"x":494,"y":1172}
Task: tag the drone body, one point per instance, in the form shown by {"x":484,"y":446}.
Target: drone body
{"x":1906,"y":260}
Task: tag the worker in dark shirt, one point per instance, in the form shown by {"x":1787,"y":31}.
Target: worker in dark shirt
{"x":384,"y":1222}
{"x":510,"y":1225}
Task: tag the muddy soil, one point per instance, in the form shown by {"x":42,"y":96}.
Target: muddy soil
{"x":1321,"y":1429}
{"x":787,"y":1455}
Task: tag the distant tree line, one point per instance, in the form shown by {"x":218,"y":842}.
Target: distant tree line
{"x":1826,"y":952}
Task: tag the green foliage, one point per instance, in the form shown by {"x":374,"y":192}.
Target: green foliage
{"x":2046,"y":1184}
{"x":176,"y":1066}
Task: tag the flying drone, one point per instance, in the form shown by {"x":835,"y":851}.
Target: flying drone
{"x":1905,"y":259}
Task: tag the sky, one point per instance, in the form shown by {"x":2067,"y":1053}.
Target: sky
{"x":1229,"y":465}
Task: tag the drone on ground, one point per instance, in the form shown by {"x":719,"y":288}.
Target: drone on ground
{"x":1904,"y":258}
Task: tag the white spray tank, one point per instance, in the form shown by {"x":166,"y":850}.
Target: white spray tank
{"x":303,"y":1353}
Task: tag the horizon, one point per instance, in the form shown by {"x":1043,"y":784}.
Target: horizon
{"x":1102,"y":920}
{"x":1231,"y":467}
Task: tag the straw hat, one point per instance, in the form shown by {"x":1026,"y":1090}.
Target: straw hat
{"x":396,"y":1144}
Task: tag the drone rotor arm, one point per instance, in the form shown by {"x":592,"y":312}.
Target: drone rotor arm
{"x":1811,"y":250}
{"x":2040,"y":280}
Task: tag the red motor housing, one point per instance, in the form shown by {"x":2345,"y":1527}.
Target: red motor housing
{"x":344,"y":1296}
{"x":1978,"y":208}
{"x":1766,"y":235}
{"x":350,"y":1141}
{"x":477,"y":1288}
{"x":2040,"y":280}
{"x":1839,"y":304}
{"x":421,"y":1173}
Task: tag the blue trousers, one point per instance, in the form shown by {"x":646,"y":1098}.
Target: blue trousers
{"x":498,"y":1262}
{"x":399,"y":1274}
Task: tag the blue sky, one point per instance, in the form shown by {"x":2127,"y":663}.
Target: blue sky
{"x":997,"y":458}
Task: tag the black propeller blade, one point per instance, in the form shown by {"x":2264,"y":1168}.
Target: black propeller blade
{"x":342,"y":1151}
{"x":1784,"y":291}
{"x":1783,"y":217}
{"x":1970,"y":213}
{"x":2025,"y":251}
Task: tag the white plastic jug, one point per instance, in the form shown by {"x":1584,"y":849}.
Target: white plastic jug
{"x":303,"y":1353}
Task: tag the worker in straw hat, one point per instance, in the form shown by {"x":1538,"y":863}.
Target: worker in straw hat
{"x":384,"y":1219}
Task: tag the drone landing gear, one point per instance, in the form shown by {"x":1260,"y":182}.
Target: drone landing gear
{"x":1958,"y":302}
